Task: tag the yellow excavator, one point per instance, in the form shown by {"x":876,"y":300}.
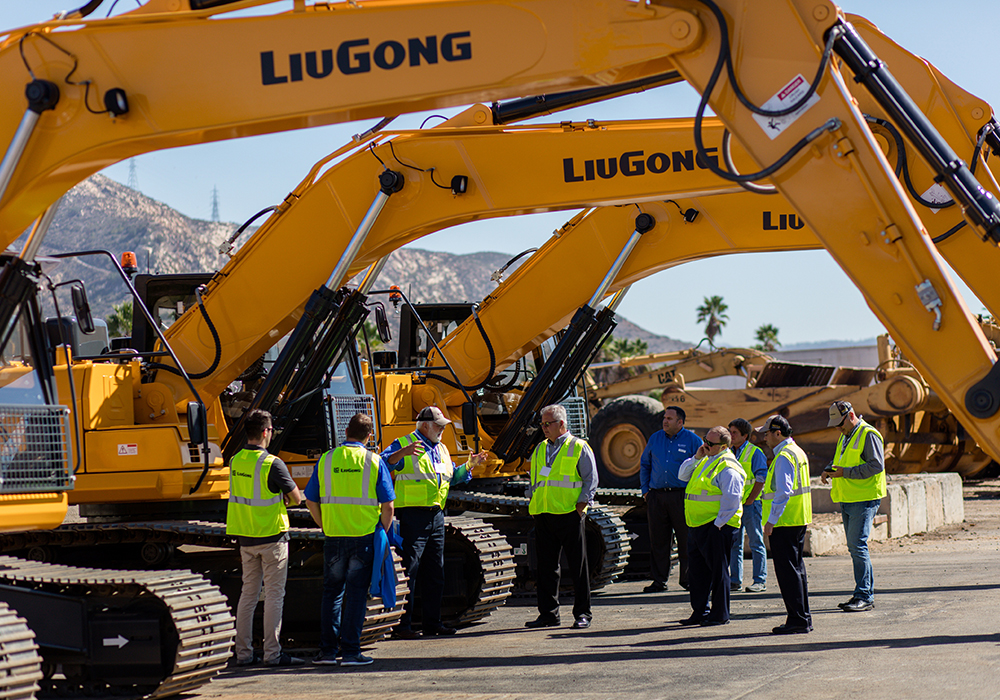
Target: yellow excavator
{"x":820,"y":136}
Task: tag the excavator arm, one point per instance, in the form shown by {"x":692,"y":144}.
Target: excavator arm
{"x":180,"y":72}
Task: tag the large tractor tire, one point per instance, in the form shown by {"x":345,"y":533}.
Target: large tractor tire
{"x":618,"y":435}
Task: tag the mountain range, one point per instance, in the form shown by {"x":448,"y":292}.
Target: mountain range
{"x":102,"y":214}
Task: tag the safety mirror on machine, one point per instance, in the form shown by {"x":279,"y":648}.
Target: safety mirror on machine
{"x":81,"y":307}
{"x":197,"y":423}
{"x":382,"y":324}
{"x":469,"y":418}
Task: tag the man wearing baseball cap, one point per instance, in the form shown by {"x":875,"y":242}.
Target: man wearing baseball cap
{"x":858,"y":474}
{"x":787,"y":511}
{"x":423,"y":474}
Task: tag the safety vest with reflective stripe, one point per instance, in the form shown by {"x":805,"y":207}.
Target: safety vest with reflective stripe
{"x":347,"y":498}
{"x":855,"y":490}
{"x":254,"y":510}
{"x":746,"y":461}
{"x":417,"y":482}
{"x":702,"y":498}
{"x":556,"y":489}
{"x":798,"y":510}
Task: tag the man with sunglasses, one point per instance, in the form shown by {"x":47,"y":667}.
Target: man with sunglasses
{"x":858,"y":475}
{"x":713,"y":506}
{"x":563,"y":484}
{"x":259,"y":488}
{"x":787,"y":511}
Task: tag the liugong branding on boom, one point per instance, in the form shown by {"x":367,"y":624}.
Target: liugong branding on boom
{"x":356,"y":56}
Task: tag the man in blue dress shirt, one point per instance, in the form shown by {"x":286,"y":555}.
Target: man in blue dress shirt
{"x":664,"y":494}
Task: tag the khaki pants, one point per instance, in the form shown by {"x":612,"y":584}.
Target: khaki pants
{"x":267,"y":563}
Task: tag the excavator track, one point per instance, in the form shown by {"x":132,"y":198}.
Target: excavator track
{"x":158,"y":540}
{"x":496,"y":566}
{"x":201,"y":622}
{"x":615,"y":542}
{"x":20,"y":664}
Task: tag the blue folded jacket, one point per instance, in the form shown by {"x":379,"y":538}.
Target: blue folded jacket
{"x":384,"y":570}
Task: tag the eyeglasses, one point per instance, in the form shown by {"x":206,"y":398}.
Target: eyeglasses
{"x":268,"y":430}
{"x":547,"y":423}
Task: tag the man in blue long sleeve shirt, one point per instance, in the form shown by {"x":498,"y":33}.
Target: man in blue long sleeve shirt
{"x":349,"y":548}
{"x":424,"y":473}
{"x":664,"y":494}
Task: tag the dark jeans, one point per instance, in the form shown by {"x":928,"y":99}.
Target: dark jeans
{"x":347,"y":574}
{"x":665,"y":516}
{"x":709,"y":549}
{"x":786,"y":554}
{"x":422,"y":532}
{"x":553,"y":535}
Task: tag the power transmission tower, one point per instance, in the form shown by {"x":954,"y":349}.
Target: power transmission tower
{"x":133,"y":175}
{"x":215,"y":204}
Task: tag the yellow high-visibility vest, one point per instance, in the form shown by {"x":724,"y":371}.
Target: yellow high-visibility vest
{"x":347,"y":498}
{"x":702,"y":498}
{"x":556,"y":489}
{"x":798,"y":510}
{"x":855,"y":490}
{"x":254,"y":510}
{"x":417,"y":482}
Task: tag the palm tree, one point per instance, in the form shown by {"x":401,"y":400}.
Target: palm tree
{"x":713,"y":311}
{"x":120,"y":320}
{"x":767,"y":338}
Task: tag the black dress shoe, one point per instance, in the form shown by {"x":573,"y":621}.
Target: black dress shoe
{"x":785,"y":629}
{"x":691,"y":621}
{"x":406,"y":633}
{"x":713,"y":623}
{"x":542,"y":621}
{"x":844,"y":605}
{"x":581,"y":623}
{"x":858,"y":605}
{"x":655,"y":587}
{"x":440,"y":631}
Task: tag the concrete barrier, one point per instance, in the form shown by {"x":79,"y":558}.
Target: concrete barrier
{"x":913,"y":503}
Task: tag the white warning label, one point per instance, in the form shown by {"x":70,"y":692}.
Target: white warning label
{"x":128,"y":450}
{"x":936,"y":194}
{"x":786,"y":97}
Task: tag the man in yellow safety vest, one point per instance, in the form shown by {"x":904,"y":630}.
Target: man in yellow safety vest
{"x":423,"y":475}
{"x":858,"y":475}
{"x":259,"y":488}
{"x":787,"y":511}
{"x":349,"y":495}
{"x":713,"y":506}
{"x":563,"y":484}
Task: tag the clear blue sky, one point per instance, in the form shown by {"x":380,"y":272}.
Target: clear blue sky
{"x":822,"y":303}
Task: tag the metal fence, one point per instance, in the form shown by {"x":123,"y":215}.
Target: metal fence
{"x":576,"y":415}
{"x":34,"y":449}
{"x":342,"y":409}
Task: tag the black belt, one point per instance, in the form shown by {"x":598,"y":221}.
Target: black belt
{"x":423,"y":509}
{"x":670,"y":488}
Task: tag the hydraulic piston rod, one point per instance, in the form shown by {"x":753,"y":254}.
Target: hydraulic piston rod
{"x":42,"y":95}
{"x":390,"y":182}
{"x":643,"y":223}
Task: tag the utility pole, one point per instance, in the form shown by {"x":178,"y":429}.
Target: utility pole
{"x":133,"y":175}
{"x":215,"y":204}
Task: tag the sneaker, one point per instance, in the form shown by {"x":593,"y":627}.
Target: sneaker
{"x":858,"y":606}
{"x":284,"y":659}
{"x":655,"y":587}
{"x":358,"y":660}
{"x":756,"y":588}
{"x":325,"y":660}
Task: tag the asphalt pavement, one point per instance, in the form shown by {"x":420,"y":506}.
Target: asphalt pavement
{"x":934,"y":633}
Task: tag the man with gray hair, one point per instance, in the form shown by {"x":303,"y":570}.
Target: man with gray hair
{"x":563,"y":484}
{"x":713,"y":506}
